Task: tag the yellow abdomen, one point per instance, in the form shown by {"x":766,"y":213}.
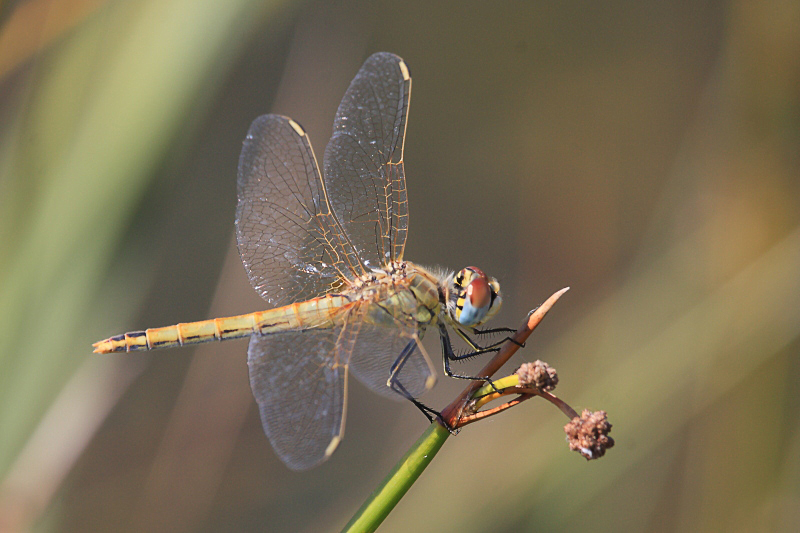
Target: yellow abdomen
{"x":323,"y":312}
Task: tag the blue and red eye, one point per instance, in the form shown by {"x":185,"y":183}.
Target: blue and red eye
{"x":478,"y":297}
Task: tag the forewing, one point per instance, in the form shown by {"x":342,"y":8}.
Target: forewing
{"x":291,"y":246}
{"x":363,"y":164}
{"x":299,"y":381}
{"x":376,"y":350}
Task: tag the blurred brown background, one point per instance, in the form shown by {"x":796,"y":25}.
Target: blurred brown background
{"x":643,"y":153}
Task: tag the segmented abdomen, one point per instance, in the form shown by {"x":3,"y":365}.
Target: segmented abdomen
{"x":323,"y":312}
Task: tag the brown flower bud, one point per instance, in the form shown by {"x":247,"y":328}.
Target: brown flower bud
{"x":588,"y":434}
{"x":538,"y":375}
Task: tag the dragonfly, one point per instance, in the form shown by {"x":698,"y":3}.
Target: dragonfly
{"x":325,"y":250}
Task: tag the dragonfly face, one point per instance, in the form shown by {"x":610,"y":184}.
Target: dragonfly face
{"x":474,"y":298}
{"x":326,"y":250}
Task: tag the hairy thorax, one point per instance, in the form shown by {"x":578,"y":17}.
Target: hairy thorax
{"x":401,"y":292}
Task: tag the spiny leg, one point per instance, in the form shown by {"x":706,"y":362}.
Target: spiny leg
{"x":448,"y":355}
{"x":477,"y":349}
{"x":490,"y":331}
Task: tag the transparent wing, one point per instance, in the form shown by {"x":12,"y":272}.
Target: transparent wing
{"x":364,"y":160}
{"x":377,"y":349}
{"x":299,"y":381}
{"x":291,"y":246}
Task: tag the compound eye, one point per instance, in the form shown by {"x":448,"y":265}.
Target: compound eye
{"x":475,"y":299}
{"x":497,"y":300}
{"x":479,"y":293}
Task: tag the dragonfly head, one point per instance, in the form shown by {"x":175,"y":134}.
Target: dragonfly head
{"x":474,"y":297}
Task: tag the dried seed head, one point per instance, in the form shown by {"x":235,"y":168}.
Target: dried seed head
{"x":538,"y":375}
{"x":588,"y":434}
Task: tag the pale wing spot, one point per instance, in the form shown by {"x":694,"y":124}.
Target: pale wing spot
{"x":296,"y":127}
{"x":404,"y":70}
{"x":332,"y":446}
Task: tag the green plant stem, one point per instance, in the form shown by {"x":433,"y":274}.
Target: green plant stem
{"x":503,"y":383}
{"x":399,"y":480}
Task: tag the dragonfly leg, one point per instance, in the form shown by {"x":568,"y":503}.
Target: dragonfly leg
{"x":430,"y":413}
{"x":448,"y":355}
{"x":490,"y":331}
{"x":394,"y":382}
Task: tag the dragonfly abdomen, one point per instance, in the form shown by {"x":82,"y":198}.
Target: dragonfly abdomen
{"x":314,"y":313}
{"x":323,"y":312}
{"x":180,"y":334}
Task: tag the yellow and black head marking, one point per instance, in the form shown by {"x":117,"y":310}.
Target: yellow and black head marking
{"x":474,"y":297}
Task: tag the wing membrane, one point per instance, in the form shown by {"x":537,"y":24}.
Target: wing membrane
{"x":299,"y":381}
{"x":364,"y":173}
{"x":374,"y":353}
{"x":291,"y":245}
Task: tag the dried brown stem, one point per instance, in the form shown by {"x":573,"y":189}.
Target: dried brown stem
{"x":469,"y":419}
{"x":523,"y":394}
{"x":558,"y":402}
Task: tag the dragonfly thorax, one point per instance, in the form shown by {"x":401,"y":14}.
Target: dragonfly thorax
{"x":390,"y":274}
{"x":472,"y":297}
{"x":402,"y":293}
